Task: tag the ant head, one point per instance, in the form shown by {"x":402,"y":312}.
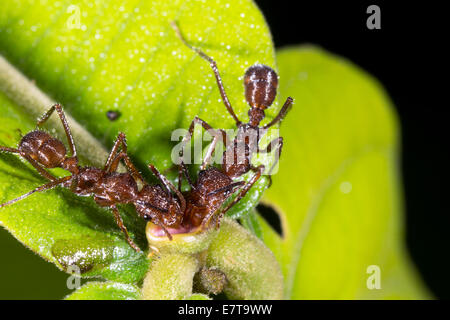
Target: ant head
{"x":153,"y":203}
{"x":261,"y":84}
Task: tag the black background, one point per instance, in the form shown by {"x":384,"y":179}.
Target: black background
{"x":406,"y":55}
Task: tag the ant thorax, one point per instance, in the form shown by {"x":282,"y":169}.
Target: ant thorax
{"x":85,"y":182}
{"x":237,"y":156}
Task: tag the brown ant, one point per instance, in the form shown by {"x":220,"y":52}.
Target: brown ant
{"x":261,"y":84}
{"x":109,"y":187}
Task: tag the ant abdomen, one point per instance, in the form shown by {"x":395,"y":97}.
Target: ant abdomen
{"x":261,"y":84}
{"x":43,"y":148}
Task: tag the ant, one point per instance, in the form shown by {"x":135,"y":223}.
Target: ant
{"x":109,"y":187}
{"x":261,"y":84}
{"x":204,"y":198}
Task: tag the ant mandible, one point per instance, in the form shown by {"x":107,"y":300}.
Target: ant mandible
{"x":261,"y":84}
{"x":109,"y":187}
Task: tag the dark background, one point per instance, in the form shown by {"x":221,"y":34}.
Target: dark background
{"x":406,"y":55}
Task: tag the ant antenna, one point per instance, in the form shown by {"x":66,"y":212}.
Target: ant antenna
{"x":44,"y":187}
{"x":169,"y":186}
{"x":213,"y":67}
{"x":66,"y":127}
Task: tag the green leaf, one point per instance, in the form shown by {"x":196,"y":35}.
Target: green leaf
{"x":125,"y":57}
{"x":105,"y":291}
{"x":338,"y":188}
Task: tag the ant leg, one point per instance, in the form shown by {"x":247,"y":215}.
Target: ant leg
{"x":121,"y":140}
{"x":7,"y":149}
{"x":213,"y":144}
{"x":122,"y":227}
{"x":284,"y":110}
{"x":130,"y":166}
{"x":166,"y":183}
{"x":278,"y":147}
{"x":260,"y":169}
{"x":161,"y":225}
{"x":213,"y":67}
{"x":113,"y":159}
{"x":40,"y":170}
{"x":65,"y":124}
{"x":185,"y":171}
{"x":169,"y":186}
{"x":180,"y":177}
{"x":216,"y":133}
{"x":230,"y":188}
{"x":44,"y":187}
